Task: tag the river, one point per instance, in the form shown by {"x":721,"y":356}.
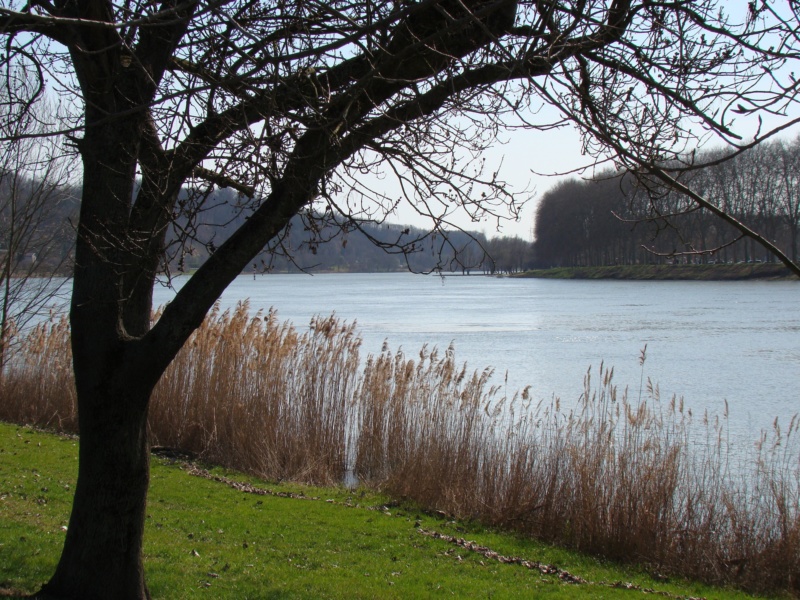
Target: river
{"x":706,"y":341}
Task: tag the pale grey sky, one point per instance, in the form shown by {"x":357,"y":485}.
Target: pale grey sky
{"x":534,"y":159}
{"x":523,"y":154}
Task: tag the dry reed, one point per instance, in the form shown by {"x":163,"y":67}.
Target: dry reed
{"x":36,"y":384}
{"x":251,"y":393}
{"x":629,"y":478}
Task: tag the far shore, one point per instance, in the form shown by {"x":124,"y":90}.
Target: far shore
{"x":722,"y":272}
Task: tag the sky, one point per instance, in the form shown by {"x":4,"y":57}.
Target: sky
{"x":529,"y":153}
{"x":538,"y":160}
{"x":522,"y":157}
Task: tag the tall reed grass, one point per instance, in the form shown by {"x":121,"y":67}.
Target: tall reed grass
{"x":622,"y":474}
{"x":251,"y":393}
{"x":36,"y":383}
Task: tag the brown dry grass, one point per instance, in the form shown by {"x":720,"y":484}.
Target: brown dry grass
{"x":252,"y":393}
{"x":627,"y":478}
{"x":37,"y":387}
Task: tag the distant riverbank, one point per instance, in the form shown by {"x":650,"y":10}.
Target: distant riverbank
{"x":735,"y":272}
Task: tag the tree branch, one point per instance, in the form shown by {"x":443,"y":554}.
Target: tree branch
{"x":676,"y":185}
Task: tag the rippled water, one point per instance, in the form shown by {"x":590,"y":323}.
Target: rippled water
{"x":706,"y":341}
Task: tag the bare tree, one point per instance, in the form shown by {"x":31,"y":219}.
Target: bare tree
{"x":758,"y":186}
{"x":787,"y":166}
{"x":35,"y":200}
{"x":294,"y":104}
{"x":627,"y":107}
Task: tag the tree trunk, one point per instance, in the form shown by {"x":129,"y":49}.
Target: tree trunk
{"x":102,"y":555}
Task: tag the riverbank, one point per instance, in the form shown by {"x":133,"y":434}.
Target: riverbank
{"x":726,"y":272}
{"x":225,"y":535}
{"x":615,"y":476}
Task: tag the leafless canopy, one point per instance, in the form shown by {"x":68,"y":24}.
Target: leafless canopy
{"x":333,"y":99}
{"x":229,"y":93}
{"x":35,"y":205}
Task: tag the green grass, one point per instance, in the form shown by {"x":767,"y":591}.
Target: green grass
{"x":724,"y":272}
{"x":207,"y":539}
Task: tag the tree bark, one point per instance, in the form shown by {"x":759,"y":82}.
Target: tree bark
{"x":102,"y":555}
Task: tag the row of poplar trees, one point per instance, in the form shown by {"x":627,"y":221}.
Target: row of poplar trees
{"x":611,"y":220}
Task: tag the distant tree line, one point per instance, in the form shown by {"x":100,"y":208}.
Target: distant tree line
{"x":324,"y":242}
{"x":35,"y":242}
{"x":40,"y":238}
{"x":618,"y":220}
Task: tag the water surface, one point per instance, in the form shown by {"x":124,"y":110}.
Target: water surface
{"x":706,"y":341}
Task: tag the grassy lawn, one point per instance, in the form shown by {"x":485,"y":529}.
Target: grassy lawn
{"x":205,"y":538}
